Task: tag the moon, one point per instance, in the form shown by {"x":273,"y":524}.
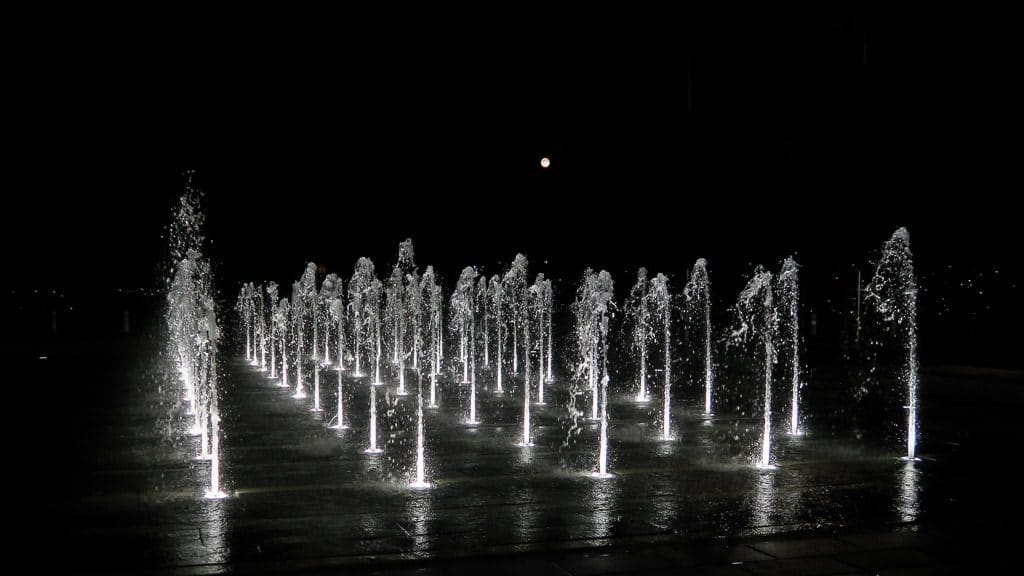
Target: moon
{"x":545,"y":162}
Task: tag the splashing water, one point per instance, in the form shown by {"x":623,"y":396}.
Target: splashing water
{"x":594,"y":306}
{"x":698,"y":303}
{"x":373,"y":449}
{"x":789,"y":303}
{"x":662,"y":304}
{"x":421,"y":465}
{"x":757,"y":316}
{"x":893,"y":290}
{"x":639,"y":312}
{"x":340,"y":417}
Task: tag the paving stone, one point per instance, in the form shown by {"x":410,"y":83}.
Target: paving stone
{"x":800,"y":547}
{"x":801,"y":567}
{"x":888,"y":559}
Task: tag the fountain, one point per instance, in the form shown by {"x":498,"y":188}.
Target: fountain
{"x":549,"y":307}
{"x":282,"y":317}
{"x":638,"y":311}
{"x":789,"y":303}
{"x":272,"y":295}
{"x":316,"y":386}
{"x":340,"y":417}
{"x":593,"y":308}
{"x":261,"y":326}
{"x":698,"y":308}
{"x":515,"y":293}
{"x":531,"y":305}
{"x":538,"y":308}
{"x":433,"y":299}
{"x":330,"y":303}
{"x":463,"y":321}
{"x":757,"y":316}
{"x":298,"y":313}
{"x":336,"y":312}
{"x":414,"y":309}
{"x":211,"y":337}
{"x":893,"y":291}
{"x":662,"y":304}
{"x":420,"y":481}
{"x":373,"y":449}
{"x":373,"y":296}
{"x":483,"y":311}
{"x":496,"y":297}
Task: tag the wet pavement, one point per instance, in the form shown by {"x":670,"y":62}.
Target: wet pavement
{"x":307,"y":498}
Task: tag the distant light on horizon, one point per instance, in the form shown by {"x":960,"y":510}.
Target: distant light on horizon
{"x":545,"y":162}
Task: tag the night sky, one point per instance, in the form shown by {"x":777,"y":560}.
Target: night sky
{"x":740,"y":136}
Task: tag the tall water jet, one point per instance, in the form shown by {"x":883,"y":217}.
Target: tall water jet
{"x":414,"y":309}
{"x":373,"y":449}
{"x":483,"y":311}
{"x":421,"y":465}
{"x":283,"y":320}
{"x":433,"y":389}
{"x":537,"y":309}
{"x":758,"y":317}
{"x":587,"y":336}
{"x":358,"y":288}
{"x":212,"y":335}
{"x":462,"y":317}
{"x":330,"y":298}
{"x":298,"y":315}
{"x":316,"y":386}
{"x":340,"y":417}
{"x":893,"y":290}
{"x":433,"y":297}
{"x":336,"y":312}
{"x":262,"y":325}
{"x":698,"y":309}
{"x":593,"y":308}
{"x":549,"y":298}
{"x":496,"y":299}
{"x":638,"y":311}
{"x":515,"y":292}
{"x":531,"y":302}
{"x":394,"y":312}
{"x":463,"y":321}
{"x":662,"y":305}
{"x":789,"y":303}
{"x":373,"y":308}
{"x":274,"y":336}
{"x":311,"y":305}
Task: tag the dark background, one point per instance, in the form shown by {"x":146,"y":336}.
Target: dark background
{"x":737,"y":134}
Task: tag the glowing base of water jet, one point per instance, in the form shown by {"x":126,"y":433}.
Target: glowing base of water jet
{"x":642,"y":399}
{"x":910,"y":459}
{"x":299,"y":395}
{"x":601,"y":476}
{"x":420,"y":485}
{"x":433,"y":405}
{"x":525,"y":445}
{"x":796,"y":433}
{"x":214,"y":495}
{"x":373,"y":451}
{"x":203,"y":457}
{"x":316,"y":409}
{"x":766,"y":467}
{"x":336,"y":427}
{"x":378,"y":383}
{"x":471,"y":422}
